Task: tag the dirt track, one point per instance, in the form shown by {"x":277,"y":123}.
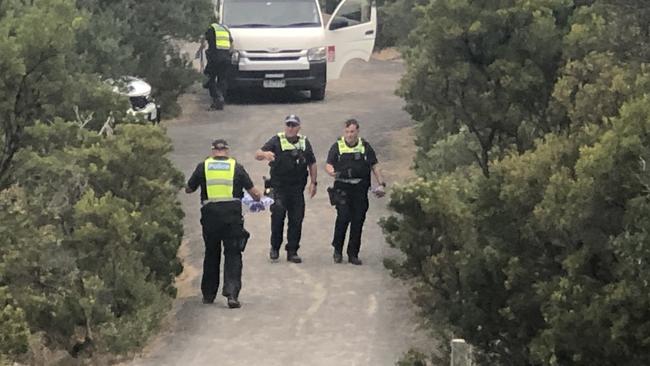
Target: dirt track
{"x":317,"y":312}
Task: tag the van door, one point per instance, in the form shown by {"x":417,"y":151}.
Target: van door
{"x":350,"y":34}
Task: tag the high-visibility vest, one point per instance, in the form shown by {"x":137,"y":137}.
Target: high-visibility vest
{"x":221,"y":36}
{"x":219,"y":177}
{"x":352,"y":160}
{"x":345,"y":149}
{"x":286,"y":145}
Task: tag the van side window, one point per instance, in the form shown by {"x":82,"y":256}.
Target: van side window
{"x":352,"y":12}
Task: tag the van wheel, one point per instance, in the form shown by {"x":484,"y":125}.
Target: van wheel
{"x":318,"y":93}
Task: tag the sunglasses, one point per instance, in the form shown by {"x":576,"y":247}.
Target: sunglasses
{"x":292,"y":124}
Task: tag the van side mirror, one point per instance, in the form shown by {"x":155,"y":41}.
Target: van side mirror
{"x":339,"y":22}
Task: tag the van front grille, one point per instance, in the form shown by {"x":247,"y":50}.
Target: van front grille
{"x":288,"y":58}
{"x":262,"y":74}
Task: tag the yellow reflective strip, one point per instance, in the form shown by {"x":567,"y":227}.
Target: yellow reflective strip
{"x":212,"y":182}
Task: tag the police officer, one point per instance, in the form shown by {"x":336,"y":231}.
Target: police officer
{"x":218,"y":54}
{"x":222,"y":181}
{"x":291,"y":159}
{"x":350,"y":161}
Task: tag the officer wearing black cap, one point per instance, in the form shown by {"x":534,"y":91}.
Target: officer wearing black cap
{"x":291,"y":159}
{"x":350,"y":161}
{"x":222,"y":181}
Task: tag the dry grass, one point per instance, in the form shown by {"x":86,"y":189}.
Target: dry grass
{"x":387,"y":54}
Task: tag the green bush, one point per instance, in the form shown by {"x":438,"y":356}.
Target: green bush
{"x":537,"y":252}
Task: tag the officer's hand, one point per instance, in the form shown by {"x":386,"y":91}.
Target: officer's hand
{"x":379,"y":192}
{"x":270,"y":156}
{"x":312,"y":190}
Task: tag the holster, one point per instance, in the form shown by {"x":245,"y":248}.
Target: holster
{"x":243,"y":239}
{"x":268,"y":188}
{"x":337,"y":196}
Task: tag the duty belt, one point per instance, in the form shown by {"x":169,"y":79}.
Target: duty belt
{"x":205,"y":202}
{"x":349,"y":180}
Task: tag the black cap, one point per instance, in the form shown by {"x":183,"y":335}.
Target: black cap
{"x":220,"y":144}
{"x":292,"y":118}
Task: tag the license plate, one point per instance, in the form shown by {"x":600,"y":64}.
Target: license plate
{"x":270,"y":83}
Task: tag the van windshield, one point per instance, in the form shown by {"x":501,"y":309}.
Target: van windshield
{"x":270,"y":13}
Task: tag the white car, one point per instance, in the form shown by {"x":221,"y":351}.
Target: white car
{"x":139,"y":93}
{"x":291,"y":44}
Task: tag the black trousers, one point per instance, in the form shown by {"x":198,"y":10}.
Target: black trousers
{"x":288,"y":203}
{"x":352,"y":213}
{"x":217,"y":69}
{"x":215,"y":234}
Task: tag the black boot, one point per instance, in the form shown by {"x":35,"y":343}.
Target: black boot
{"x":338,"y":256}
{"x":233,"y":303}
{"x":354,"y":260}
{"x":293,"y":257}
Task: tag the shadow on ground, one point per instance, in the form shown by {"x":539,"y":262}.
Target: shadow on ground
{"x":266,"y":96}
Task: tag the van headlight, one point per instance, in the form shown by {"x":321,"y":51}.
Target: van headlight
{"x":316,"y":54}
{"x":234,"y":58}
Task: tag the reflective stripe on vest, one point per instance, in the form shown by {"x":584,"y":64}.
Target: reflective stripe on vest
{"x":345,"y":149}
{"x":221,"y":36}
{"x":286,"y":145}
{"x":219,"y":177}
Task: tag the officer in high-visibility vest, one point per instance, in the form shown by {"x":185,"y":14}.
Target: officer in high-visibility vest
{"x":291,"y":159}
{"x":218,"y":55}
{"x":222,"y":181}
{"x":350,"y":161}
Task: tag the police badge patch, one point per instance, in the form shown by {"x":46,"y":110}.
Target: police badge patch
{"x":219,"y":165}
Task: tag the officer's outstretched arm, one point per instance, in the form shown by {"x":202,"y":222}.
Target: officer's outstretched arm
{"x":264,"y":155}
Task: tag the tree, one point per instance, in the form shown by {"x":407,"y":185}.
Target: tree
{"x":89,"y":224}
{"x":487,"y":65}
{"x":395,"y":21}
{"x":58,"y":53}
{"x":141,"y":38}
{"x":94,"y":260}
{"x":543,"y":261}
{"x":39,"y":81}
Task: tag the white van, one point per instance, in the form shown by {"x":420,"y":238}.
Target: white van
{"x":292,"y":44}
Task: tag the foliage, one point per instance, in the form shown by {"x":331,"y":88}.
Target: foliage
{"x":89,"y":254}
{"x":56,"y":54}
{"x":140,"y":39}
{"x":39,"y":81}
{"x":395,"y":21}
{"x":89,"y":224}
{"x":542,"y":258}
{"x":486,"y":65}
{"x":412,"y":358}
{"x":14,"y":331}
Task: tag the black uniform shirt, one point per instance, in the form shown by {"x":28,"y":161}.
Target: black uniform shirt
{"x":241,"y":181}
{"x":371,"y":158}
